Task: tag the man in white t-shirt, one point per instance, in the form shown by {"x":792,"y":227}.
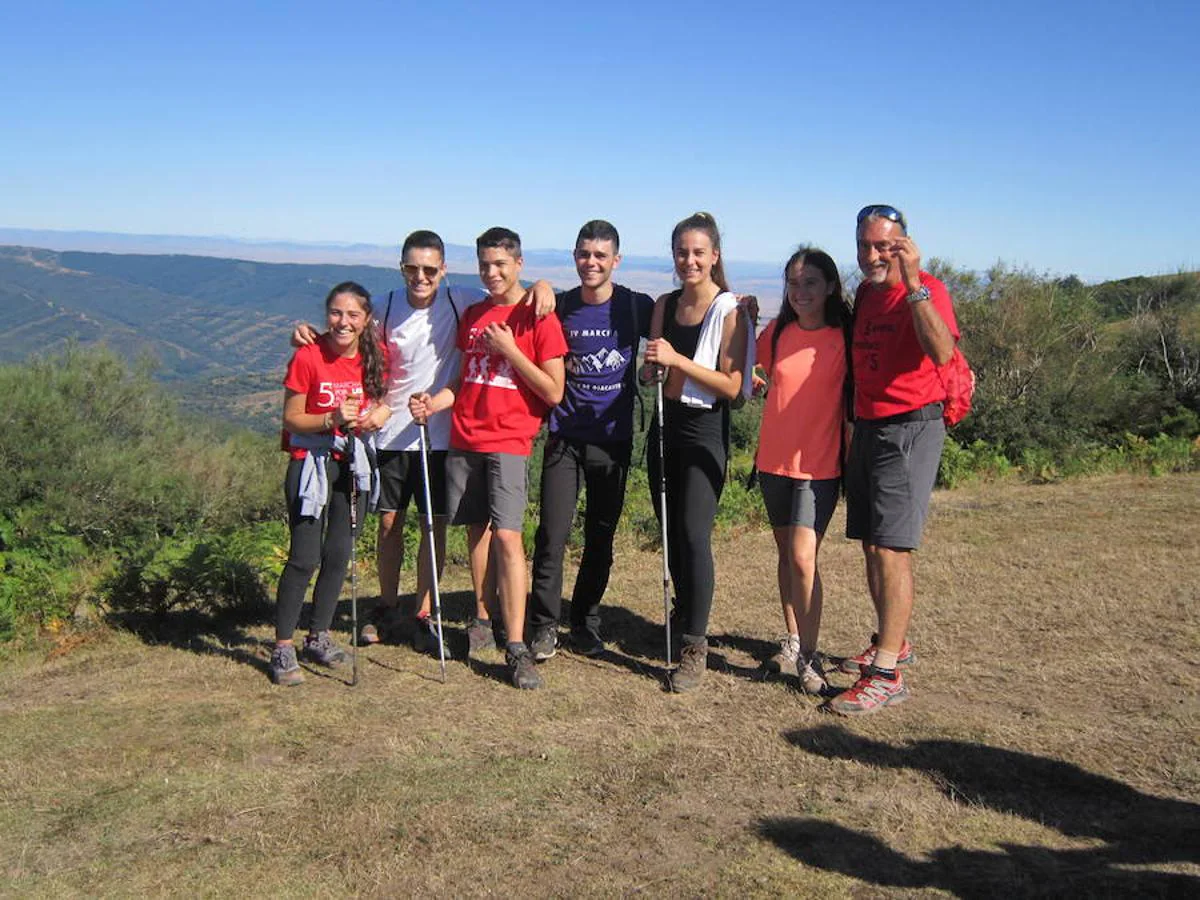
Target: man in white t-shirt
{"x":419,"y":324}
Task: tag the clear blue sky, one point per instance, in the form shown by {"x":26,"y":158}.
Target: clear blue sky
{"x":1060,"y":136}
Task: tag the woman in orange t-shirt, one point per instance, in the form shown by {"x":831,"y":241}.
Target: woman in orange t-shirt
{"x":800,"y":444}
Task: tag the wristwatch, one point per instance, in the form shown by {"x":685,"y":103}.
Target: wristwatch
{"x":921,"y":293}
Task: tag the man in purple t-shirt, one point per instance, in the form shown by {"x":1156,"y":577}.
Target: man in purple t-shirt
{"x":590,"y":441}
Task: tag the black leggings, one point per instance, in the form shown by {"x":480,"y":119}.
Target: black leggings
{"x":695,"y":469}
{"x":323,"y":542}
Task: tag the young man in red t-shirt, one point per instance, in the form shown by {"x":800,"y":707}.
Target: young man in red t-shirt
{"x":904,"y":328}
{"x":512,"y":374}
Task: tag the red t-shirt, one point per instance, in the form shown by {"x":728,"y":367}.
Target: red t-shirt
{"x":892,"y":374}
{"x":325,"y":378}
{"x":800,"y":435}
{"x":495,"y":411}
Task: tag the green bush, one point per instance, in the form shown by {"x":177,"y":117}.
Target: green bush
{"x":106,"y":477}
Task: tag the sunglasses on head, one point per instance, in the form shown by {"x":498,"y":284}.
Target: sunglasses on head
{"x":412,"y":270}
{"x":883,"y":211}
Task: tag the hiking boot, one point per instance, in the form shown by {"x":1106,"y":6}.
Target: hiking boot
{"x":480,"y":636}
{"x":871,"y":693}
{"x":585,"y":643}
{"x":523,"y":668}
{"x":321,"y":649}
{"x":285,"y":669}
{"x":424,"y":636}
{"x":693,"y":661}
{"x":812,"y":675}
{"x":788,"y":656}
{"x":856,"y":665}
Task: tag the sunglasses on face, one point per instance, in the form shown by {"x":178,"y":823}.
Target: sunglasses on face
{"x":411,"y":270}
{"x":884,"y":212}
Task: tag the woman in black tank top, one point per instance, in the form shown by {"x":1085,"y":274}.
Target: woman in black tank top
{"x":695,"y":430}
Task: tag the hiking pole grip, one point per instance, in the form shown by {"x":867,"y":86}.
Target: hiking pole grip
{"x":423,"y":432}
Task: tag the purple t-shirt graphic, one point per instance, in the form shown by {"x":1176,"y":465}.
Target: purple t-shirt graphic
{"x":597,"y":404}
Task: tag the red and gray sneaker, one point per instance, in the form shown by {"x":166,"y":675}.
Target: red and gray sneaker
{"x":855,"y":665}
{"x":871,"y":693}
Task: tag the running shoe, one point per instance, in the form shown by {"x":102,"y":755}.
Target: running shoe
{"x":480,"y":636}
{"x":871,"y":693}
{"x":812,"y":675}
{"x":523,"y":669}
{"x":585,"y":643}
{"x":545,"y":643}
{"x":854,"y":665}
{"x":424,"y":636}
{"x":788,"y":656}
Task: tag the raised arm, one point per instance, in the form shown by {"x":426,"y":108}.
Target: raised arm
{"x":933,"y":333}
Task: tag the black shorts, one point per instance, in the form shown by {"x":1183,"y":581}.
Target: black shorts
{"x":400,"y":481}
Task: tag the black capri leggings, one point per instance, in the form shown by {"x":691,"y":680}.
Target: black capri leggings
{"x":696,"y":454}
{"x":323,"y":542}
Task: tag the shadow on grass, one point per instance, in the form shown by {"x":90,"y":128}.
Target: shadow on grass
{"x":1134,"y":829}
{"x":225,"y":631}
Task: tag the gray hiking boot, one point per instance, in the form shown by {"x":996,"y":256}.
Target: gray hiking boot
{"x":812,"y":675}
{"x":523,"y":668}
{"x":545,"y":643}
{"x":693,"y":661}
{"x":480,"y":636}
{"x":321,"y":649}
{"x":285,"y":669}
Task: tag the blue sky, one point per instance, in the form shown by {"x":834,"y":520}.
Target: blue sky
{"x":1059,"y":136}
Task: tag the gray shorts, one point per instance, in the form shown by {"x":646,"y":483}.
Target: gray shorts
{"x":798,"y":501}
{"x":889,"y":478}
{"x":486,"y":487}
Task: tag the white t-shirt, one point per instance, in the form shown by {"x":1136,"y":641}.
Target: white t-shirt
{"x":422,"y":356}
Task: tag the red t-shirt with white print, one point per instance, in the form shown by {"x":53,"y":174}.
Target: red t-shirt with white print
{"x":494,"y":410}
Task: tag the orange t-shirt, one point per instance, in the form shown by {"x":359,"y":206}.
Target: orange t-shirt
{"x":800,"y":435}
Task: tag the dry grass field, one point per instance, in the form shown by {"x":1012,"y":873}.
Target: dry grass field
{"x":1051,"y":746}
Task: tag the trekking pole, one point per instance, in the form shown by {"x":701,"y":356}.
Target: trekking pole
{"x":423,"y":431}
{"x":353,"y":560}
{"x":660,"y":376}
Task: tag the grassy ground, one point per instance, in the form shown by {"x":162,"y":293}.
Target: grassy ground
{"x":1051,"y":745}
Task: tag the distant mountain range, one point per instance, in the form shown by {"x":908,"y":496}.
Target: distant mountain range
{"x":217,"y":329}
{"x":652,"y":274}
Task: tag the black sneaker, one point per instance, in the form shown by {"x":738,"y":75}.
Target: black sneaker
{"x":524,"y":670}
{"x":585,"y":643}
{"x":425,"y":637}
{"x":545,"y":643}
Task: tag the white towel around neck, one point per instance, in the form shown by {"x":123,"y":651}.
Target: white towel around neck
{"x":708,"y":348}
